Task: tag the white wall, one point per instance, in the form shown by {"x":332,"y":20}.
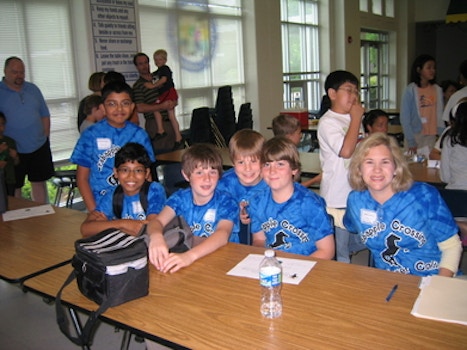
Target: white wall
{"x":430,"y":10}
{"x":263,"y":61}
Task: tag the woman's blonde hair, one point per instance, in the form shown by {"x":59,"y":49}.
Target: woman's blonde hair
{"x":281,"y":148}
{"x":402,"y":180}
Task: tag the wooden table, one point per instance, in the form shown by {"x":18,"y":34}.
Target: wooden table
{"x":311,"y":165}
{"x":422,"y":173}
{"x":310,"y":161}
{"x":336,"y":306}
{"x":34,"y":245}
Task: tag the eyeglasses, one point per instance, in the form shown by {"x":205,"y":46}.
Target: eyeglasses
{"x":128,"y":171}
{"x":350,"y":90}
{"x":115,"y":104}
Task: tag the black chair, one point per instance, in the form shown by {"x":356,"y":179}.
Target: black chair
{"x":200,"y":126}
{"x":245,"y":117}
{"x":65,"y":179}
{"x":456,"y":200}
{"x":225,"y":113}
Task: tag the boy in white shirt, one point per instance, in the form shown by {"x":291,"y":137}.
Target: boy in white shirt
{"x":339,"y":130}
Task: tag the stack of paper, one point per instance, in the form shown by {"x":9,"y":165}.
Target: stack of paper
{"x":442,"y":299}
{"x":25,"y":213}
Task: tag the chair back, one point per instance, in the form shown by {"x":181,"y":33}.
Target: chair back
{"x":225,"y":113}
{"x":200,"y":126}
{"x":456,"y":201}
{"x":245,"y":117}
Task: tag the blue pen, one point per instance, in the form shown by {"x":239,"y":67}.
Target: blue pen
{"x":391,"y":293}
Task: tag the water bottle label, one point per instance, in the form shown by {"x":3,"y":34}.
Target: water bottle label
{"x":270,"y":277}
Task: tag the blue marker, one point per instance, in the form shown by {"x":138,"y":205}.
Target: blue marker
{"x":391,"y":293}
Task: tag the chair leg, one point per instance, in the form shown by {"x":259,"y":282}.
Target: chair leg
{"x":125,"y":345}
{"x":58,"y":195}
{"x":70,"y":196}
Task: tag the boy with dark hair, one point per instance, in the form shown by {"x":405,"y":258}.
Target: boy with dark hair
{"x":95,"y":150}
{"x":135,"y":198}
{"x":338,"y":133}
{"x":212,"y":214}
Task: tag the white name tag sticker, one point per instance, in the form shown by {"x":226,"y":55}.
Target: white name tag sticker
{"x":210,"y":215}
{"x":424,"y":120}
{"x":368,"y":216}
{"x":137,"y":207}
{"x":103,"y":143}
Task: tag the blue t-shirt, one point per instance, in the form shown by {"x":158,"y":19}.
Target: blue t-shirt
{"x":293,"y":226}
{"x":131,"y":206}
{"x":403,"y":233}
{"x":24,"y":111}
{"x":96,"y":149}
{"x":203,"y":219}
{"x":231,"y":184}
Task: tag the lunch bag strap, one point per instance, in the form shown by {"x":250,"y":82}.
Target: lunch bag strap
{"x":84,"y":338}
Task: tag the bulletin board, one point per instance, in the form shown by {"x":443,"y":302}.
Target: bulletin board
{"x":114,"y":36}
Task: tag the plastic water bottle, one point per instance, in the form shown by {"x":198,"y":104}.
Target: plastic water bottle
{"x":270,"y":279}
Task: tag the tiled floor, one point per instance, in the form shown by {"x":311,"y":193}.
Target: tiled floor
{"x":28,"y":323}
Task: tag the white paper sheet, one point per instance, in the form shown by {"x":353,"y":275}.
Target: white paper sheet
{"x":28,"y":212}
{"x":442,"y":299}
{"x":293,"y":270}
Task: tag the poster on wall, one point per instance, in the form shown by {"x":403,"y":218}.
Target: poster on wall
{"x":114,"y":36}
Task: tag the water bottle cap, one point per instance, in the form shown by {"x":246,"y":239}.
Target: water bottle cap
{"x":269,"y":253}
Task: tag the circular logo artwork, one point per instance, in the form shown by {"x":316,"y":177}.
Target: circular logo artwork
{"x":196,"y":40}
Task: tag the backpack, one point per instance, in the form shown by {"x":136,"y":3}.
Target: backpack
{"x":117,"y":200}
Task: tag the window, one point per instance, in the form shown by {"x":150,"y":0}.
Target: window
{"x":39,"y":33}
{"x":374,"y":77}
{"x":300,"y":53}
{"x":377,"y":7}
{"x":203,"y":39}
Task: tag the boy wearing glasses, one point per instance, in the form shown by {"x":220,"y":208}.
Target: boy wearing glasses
{"x":338,"y":133}
{"x":95,"y":150}
{"x":123,"y":206}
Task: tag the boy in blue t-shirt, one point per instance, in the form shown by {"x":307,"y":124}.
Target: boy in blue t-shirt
{"x":288,"y":216}
{"x":132,"y":170}
{"x":244,"y":180}
{"x":211,"y":213}
{"x":96,"y":148}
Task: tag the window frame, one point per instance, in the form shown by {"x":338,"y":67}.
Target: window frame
{"x":375,"y":95}
{"x":302,"y":88}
